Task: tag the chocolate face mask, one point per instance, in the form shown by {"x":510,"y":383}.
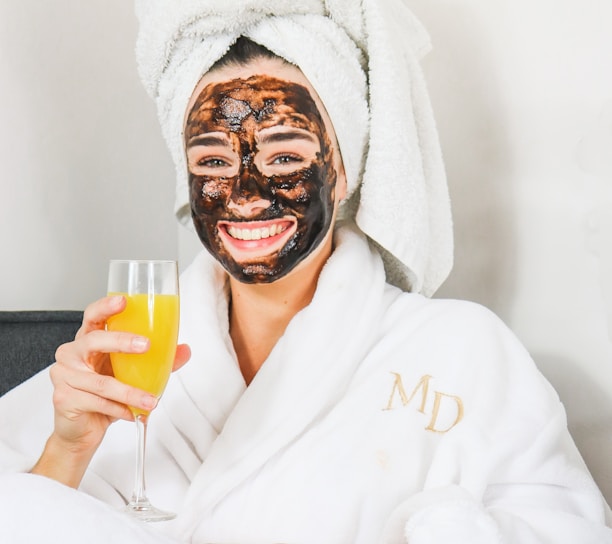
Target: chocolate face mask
{"x":261,"y":175}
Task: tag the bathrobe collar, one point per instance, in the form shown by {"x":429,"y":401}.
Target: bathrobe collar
{"x":304,"y":376}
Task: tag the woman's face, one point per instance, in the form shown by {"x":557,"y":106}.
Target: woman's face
{"x":264,"y":170}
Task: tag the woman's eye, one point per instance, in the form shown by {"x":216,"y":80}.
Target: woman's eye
{"x":212,"y":163}
{"x":286,"y":159}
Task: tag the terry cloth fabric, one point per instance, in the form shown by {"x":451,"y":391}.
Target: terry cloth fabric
{"x":362,"y":58}
{"x":361,"y":427}
{"x":37,"y":509}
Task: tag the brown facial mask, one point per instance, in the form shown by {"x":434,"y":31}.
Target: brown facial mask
{"x":261,"y":175}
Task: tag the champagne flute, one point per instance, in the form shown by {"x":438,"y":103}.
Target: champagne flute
{"x":152,"y":311}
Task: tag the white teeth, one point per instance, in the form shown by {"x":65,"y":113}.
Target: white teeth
{"x":255,"y":234}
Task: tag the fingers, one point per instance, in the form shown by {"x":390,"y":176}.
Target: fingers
{"x":83,"y":381}
{"x":96,"y":314}
{"x":82,"y":377}
{"x":87,"y":397}
{"x":92,"y":349}
{"x":79,"y":391}
{"x":183,"y":354}
{"x":101,"y":341}
{"x":70,"y":401}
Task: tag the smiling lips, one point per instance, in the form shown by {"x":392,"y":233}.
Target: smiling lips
{"x":250,"y":239}
{"x":255,"y":233}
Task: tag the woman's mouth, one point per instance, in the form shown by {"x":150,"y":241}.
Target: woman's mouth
{"x":241,"y":233}
{"x":250,"y":240}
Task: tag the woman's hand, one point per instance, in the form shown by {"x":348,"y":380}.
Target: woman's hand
{"x":87,"y":398}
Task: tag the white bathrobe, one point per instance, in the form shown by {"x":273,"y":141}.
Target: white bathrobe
{"x":379,"y":417}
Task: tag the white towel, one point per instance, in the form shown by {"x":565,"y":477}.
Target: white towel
{"x":362,"y":57}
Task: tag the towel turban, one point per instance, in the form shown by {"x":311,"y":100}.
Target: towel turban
{"x":362,"y":58}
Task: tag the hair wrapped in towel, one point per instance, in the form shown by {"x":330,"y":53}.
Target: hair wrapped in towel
{"x":362,"y":57}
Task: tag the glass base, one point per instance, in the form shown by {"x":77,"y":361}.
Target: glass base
{"x":145,"y":511}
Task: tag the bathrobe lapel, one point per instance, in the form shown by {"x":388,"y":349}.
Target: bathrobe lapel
{"x":308,"y":370}
{"x":202,"y":394}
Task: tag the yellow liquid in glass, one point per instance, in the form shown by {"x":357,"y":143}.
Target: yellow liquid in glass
{"x":157,"y":318}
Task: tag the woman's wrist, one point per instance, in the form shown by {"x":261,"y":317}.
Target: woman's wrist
{"x":63,"y":461}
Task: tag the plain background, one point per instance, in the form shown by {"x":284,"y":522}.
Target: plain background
{"x":522,"y":91}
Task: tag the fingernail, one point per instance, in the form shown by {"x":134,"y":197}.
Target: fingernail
{"x":140,"y":343}
{"x":116,"y":301}
{"x":149,"y":402}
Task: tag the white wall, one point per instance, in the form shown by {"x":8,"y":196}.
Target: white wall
{"x":522,"y":91}
{"x":83,"y":171}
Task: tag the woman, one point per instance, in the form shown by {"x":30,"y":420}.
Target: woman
{"x":321,"y":403}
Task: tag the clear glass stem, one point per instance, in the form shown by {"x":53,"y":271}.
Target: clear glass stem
{"x":139,"y":506}
{"x":139,"y":495}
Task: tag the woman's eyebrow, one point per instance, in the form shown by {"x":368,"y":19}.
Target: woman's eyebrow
{"x":272,"y":137}
{"x":208,"y":140}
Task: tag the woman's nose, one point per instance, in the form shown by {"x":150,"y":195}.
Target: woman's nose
{"x":247,"y":198}
{"x":248,"y":207}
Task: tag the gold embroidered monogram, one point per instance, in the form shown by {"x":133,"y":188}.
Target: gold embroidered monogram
{"x":447,"y":410}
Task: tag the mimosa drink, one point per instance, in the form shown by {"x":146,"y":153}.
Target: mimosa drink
{"x":152,"y":310}
{"x":157,"y":318}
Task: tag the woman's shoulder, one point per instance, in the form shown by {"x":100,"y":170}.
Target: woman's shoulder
{"x":457,"y":337}
{"x":463,"y":349}
{"x":422,"y":311}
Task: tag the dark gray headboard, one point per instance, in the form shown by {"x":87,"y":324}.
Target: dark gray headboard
{"x":28,"y":341}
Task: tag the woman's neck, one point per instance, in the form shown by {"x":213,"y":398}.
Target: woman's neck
{"x":260,"y":313}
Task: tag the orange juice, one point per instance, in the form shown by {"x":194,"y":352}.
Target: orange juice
{"x":157,"y":318}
